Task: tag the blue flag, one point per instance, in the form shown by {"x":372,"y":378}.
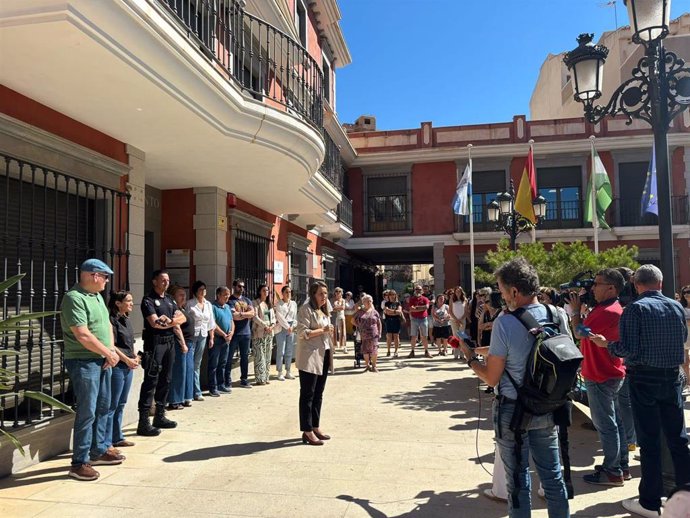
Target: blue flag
{"x":649,"y":198}
{"x":463,"y":193}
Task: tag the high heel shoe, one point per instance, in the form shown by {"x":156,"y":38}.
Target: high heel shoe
{"x":307,"y":440}
{"x":322,"y":436}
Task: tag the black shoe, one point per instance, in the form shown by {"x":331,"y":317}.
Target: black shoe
{"x":144,"y":428}
{"x":160,"y":421}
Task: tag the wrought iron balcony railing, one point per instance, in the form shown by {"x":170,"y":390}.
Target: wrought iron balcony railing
{"x":264,"y":61}
{"x":629,"y":212}
{"x":332,"y":167}
{"x":344,"y":211}
{"x":569,"y":214}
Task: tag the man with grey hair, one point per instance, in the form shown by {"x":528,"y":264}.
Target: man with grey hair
{"x":652,"y":333}
{"x":511,"y":344}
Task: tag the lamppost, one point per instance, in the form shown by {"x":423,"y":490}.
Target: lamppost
{"x":658,"y":91}
{"x":501,"y":211}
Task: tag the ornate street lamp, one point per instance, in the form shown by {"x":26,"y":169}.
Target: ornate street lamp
{"x":501,"y":211}
{"x":657,"y":92}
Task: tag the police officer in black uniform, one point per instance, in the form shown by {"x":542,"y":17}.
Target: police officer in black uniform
{"x":161,"y":315}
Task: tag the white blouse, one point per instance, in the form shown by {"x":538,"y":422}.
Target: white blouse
{"x":202,"y":317}
{"x":286,"y":315}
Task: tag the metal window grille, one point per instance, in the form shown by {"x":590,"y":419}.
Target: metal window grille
{"x":253,"y":261}
{"x":388,"y":203}
{"x":50,"y":222}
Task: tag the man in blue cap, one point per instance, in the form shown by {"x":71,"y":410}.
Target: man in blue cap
{"x":89,"y":355}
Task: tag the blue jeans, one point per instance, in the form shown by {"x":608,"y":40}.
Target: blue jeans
{"x":541,"y":441}
{"x":607,"y":419}
{"x":285,"y":347}
{"x":199,"y":345}
{"x":243,"y":342}
{"x":658,"y":406}
{"x":217,"y":358}
{"x":182,"y":382}
{"x":90,"y":384}
{"x":120,"y":383}
{"x":626,"y":412}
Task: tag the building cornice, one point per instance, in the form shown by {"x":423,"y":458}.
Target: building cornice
{"x":328,"y":18}
{"x":449,"y":154}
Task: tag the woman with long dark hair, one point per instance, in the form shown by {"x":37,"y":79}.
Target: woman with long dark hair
{"x":314,"y":358}
{"x":262,"y":334}
{"x":120,"y":306}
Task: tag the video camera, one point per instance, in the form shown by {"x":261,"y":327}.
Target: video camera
{"x":582,"y":281}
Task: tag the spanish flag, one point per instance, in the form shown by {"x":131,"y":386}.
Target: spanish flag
{"x":527,"y":190}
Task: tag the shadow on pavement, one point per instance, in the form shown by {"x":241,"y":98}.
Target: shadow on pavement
{"x":448,"y":504}
{"x":457,"y":395}
{"x":231,"y":450}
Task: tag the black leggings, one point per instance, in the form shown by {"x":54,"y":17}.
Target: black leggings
{"x":311,"y":395}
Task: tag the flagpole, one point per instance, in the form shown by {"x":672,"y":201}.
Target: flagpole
{"x":533,"y":232}
{"x":593,"y":194}
{"x":472,"y":282}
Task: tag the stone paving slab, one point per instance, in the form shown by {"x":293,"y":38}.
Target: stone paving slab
{"x":404,"y":445}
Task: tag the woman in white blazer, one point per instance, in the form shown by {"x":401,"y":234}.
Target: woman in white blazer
{"x":313,"y":358}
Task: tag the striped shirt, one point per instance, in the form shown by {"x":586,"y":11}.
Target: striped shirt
{"x":652,"y":332}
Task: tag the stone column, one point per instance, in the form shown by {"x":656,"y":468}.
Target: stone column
{"x":439,"y":268}
{"x":211,"y":226}
{"x":138,"y":278}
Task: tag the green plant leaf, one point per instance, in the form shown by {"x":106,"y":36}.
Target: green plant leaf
{"x":14,"y":441}
{"x":8,"y":352}
{"x":50,"y":400}
{"x":26,"y":316}
{"x":10,"y":282}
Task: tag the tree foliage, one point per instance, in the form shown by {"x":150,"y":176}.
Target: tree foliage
{"x":559,"y":264}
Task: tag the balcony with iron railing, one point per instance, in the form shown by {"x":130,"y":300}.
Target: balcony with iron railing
{"x":569,"y":215}
{"x":331,"y":167}
{"x":344,"y":212}
{"x":259,"y":58}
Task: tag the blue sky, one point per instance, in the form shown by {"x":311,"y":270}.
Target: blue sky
{"x":457,"y":62}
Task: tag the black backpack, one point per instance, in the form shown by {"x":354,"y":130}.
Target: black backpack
{"x":552,"y":365}
{"x":550,"y":375}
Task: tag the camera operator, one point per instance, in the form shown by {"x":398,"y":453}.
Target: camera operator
{"x":604,"y":375}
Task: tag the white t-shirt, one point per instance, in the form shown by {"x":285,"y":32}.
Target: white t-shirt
{"x":459,"y":309}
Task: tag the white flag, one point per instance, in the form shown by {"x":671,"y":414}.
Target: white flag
{"x":463,"y":193}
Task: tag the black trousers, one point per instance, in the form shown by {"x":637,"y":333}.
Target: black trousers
{"x":159,"y":355}
{"x":311,"y":395}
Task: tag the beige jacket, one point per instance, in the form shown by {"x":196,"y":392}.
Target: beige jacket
{"x":259,"y":325}
{"x":310,"y":352}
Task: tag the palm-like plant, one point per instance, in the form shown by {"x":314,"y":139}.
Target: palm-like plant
{"x":7,"y":382}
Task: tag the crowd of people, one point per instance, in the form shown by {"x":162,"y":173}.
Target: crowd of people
{"x":634,"y":355}
{"x":635,"y":361}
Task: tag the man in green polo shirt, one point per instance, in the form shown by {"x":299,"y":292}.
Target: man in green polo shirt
{"x":89,"y":355}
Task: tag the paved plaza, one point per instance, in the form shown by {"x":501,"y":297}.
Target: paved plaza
{"x":404,"y":444}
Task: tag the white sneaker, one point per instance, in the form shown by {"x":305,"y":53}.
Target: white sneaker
{"x":281,"y":377}
{"x":289,"y":376}
{"x":633,"y":505}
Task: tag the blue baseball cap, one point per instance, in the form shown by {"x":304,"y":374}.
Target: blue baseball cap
{"x":95,"y":266}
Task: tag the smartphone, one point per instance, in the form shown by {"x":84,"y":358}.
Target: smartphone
{"x":583,"y":330}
